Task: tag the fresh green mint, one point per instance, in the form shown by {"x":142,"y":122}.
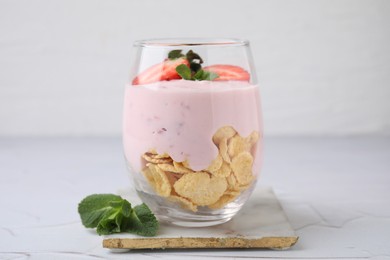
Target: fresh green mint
{"x":205,"y":75}
{"x":109,"y":214}
{"x":194,"y":71}
{"x":175,"y":54}
{"x":184,"y":71}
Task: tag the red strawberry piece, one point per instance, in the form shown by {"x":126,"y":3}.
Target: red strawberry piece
{"x":228,"y":72}
{"x":159,"y":72}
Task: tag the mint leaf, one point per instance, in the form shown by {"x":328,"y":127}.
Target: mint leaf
{"x":111,"y":223}
{"x":175,"y":54}
{"x":212,"y":76}
{"x":199,"y":75}
{"x":194,"y":71}
{"x":93,"y":208}
{"x":143,"y":222}
{"x":205,"y":75}
{"x":123,"y":206}
{"x":110,"y":214}
{"x":184,"y":71}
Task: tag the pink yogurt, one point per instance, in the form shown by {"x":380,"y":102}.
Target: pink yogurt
{"x":180,"y":117}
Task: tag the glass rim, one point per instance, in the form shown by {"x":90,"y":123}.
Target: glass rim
{"x":188,"y":42}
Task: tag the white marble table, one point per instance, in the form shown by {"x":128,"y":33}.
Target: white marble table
{"x":336,"y":193}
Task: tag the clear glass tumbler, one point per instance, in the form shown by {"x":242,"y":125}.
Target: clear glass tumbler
{"x":192,"y":128}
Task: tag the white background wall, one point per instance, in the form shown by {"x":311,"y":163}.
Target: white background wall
{"x":324,"y":66}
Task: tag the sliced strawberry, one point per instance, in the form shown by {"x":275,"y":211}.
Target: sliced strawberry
{"x":162,"y":71}
{"x":228,"y":72}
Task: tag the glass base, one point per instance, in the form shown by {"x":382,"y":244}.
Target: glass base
{"x":173,"y":214}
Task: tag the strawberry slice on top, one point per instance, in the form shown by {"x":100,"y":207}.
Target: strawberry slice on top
{"x":159,"y":72}
{"x":228,"y":72}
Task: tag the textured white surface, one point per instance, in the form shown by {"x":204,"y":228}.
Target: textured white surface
{"x":323,"y":65}
{"x":262,"y":216}
{"x":335,"y":193}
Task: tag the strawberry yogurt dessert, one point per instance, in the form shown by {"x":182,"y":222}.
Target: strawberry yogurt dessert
{"x":192,"y":138}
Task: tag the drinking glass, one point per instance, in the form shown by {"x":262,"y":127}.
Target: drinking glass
{"x":192,"y":128}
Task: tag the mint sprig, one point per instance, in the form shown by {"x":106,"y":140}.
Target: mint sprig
{"x":184,"y":71}
{"x":109,"y":214}
{"x":205,"y":75}
{"x":175,"y":54}
{"x":194,"y":71}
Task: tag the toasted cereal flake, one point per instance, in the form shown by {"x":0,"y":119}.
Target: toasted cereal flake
{"x":223,"y":201}
{"x":184,"y":203}
{"x":162,"y":156}
{"x":223,"y":132}
{"x":232,"y":192}
{"x":180,"y":168}
{"x":232,"y":182}
{"x":153,"y":151}
{"x":153,"y":158}
{"x":157,"y":155}
{"x":246,"y":186}
{"x":222,"y":172}
{"x":186,"y":164}
{"x":253,"y":138}
{"x":223,"y":150}
{"x":242,"y":168}
{"x":237,"y":145}
{"x":173,"y":177}
{"x":149,"y":176}
{"x":199,"y":188}
{"x":215,"y":164}
{"x":176,"y":167}
{"x":166,"y":167}
{"x":161,"y":182}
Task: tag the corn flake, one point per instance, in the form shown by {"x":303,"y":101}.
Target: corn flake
{"x":232,"y":192}
{"x":175,"y":168}
{"x":223,"y":132}
{"x":242,"y":168}
{"x":180,"y":168}
{"x":232,"y":182}
{"x":149,"y":176}
{"x":253,"y":138}
{"x":184,"y":203}
{"x":199,"y":188}
{"x":158,"y":180}
{"x":157,"y":155}
{"x":186,"y":164}
{"x":153,"y":158}
{"x":166,"y":167}
{"x":223,"y":171}
{"x":224,"y":200}
{"x":215,"y":164}
{"x":223,"y":150}
{"x":237,"y":145}
{"x":246,"y":186}
{"x":173,"y":177}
